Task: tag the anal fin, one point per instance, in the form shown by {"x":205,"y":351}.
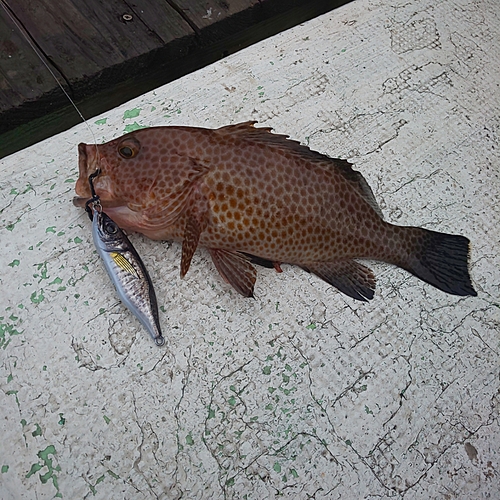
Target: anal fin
{"x":348,"y":276}
{"x":236,"y":269}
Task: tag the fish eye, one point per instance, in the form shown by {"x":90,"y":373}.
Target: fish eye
{"x":126,"y":152}
{"x":129,"y":148}
{"x":110,"y":228}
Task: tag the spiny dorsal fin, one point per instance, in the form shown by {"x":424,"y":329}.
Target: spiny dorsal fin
{"x":263,"y":135}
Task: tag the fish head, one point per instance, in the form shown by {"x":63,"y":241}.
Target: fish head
{"x":145,"y":177}
{"x":119,"y":162}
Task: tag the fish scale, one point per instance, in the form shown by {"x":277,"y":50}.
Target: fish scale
{"x":252,"y":196}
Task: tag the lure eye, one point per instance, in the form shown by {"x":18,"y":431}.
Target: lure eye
{"x":110,"y":228}
{"x":129,"y":148}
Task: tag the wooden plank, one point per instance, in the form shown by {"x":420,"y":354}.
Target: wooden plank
{"x":23,"y":75}
{"x":204,"y":14}
{"x":100,"y":35}
{"x":99,"y":48}
{"x":109,"y":52}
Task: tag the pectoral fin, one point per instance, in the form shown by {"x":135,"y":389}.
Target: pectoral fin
{"x":348,"y":276}
{"x":196,"y":222}
{"x":192,"y":234}
{"x":236,"y":269}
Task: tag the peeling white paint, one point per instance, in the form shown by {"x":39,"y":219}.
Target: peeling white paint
{"x":301,"y":392}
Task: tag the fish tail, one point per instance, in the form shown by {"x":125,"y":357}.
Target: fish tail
{"x":439,"y":259}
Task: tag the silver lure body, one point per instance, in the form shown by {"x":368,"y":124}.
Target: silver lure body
{"x":127,"y":272}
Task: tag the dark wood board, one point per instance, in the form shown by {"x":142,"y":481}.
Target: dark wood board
{"x":107,"y":52}
{"x":21,"y":72}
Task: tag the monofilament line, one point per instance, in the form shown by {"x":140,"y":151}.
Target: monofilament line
{"x":37,"y":51}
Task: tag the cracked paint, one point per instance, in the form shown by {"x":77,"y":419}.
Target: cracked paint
{"x":298,"y":393}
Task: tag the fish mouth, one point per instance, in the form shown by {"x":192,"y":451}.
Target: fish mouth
{"x":82,"y":187}
{"x":88,"y":163}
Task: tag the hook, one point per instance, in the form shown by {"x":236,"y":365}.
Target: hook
{"x":95,"y":200}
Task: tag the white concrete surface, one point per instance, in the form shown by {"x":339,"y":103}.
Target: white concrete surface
{"x":301,"y":392}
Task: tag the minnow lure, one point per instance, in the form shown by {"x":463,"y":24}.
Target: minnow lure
{"x":124,"y":266}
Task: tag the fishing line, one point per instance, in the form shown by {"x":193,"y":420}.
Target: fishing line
{"x":38,"y":52}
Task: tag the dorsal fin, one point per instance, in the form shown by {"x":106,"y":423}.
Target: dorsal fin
{"x":263,"y":135}
{"x":359,"y":182}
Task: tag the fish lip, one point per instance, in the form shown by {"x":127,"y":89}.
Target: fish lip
{"x":79,"y":201}
{"x":82,"y":187}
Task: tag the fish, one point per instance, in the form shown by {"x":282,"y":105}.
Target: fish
{"x":126,"y":270}
{"x":251,"y":196}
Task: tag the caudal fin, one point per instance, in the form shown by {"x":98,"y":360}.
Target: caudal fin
{"x":441,"y":260}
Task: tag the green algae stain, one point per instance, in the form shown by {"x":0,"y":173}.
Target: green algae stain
{"x":131,"y":113}
{"x":189,"y":440}
{"x":77,"y":239}
{"x":93,"y":488}
{"x":5,"y":469}
{"x":34,"y":469}
{"x":42,"y":267}
{"x":132,"y":127}
{"x":62,"y":420}
{"x":37,"y":431}
{"x":36,"y":299}
{"x":112,"y":474}
{"x":47,"y":461}
{"x":50,"y":229}
{"x":8,"y":328}
{"x":14,"y":263}
{"x":102,"y":121}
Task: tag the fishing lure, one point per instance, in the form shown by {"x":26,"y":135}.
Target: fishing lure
{"x":124,"y":266}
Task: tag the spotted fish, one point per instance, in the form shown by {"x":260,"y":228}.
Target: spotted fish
{"x":252,"y":196}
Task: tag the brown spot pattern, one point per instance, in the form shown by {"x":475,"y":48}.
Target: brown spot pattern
{"x":271,"y":199}
{"x":261,"y":194}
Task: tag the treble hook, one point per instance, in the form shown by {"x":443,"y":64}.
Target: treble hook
{"x":95,"y":200}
